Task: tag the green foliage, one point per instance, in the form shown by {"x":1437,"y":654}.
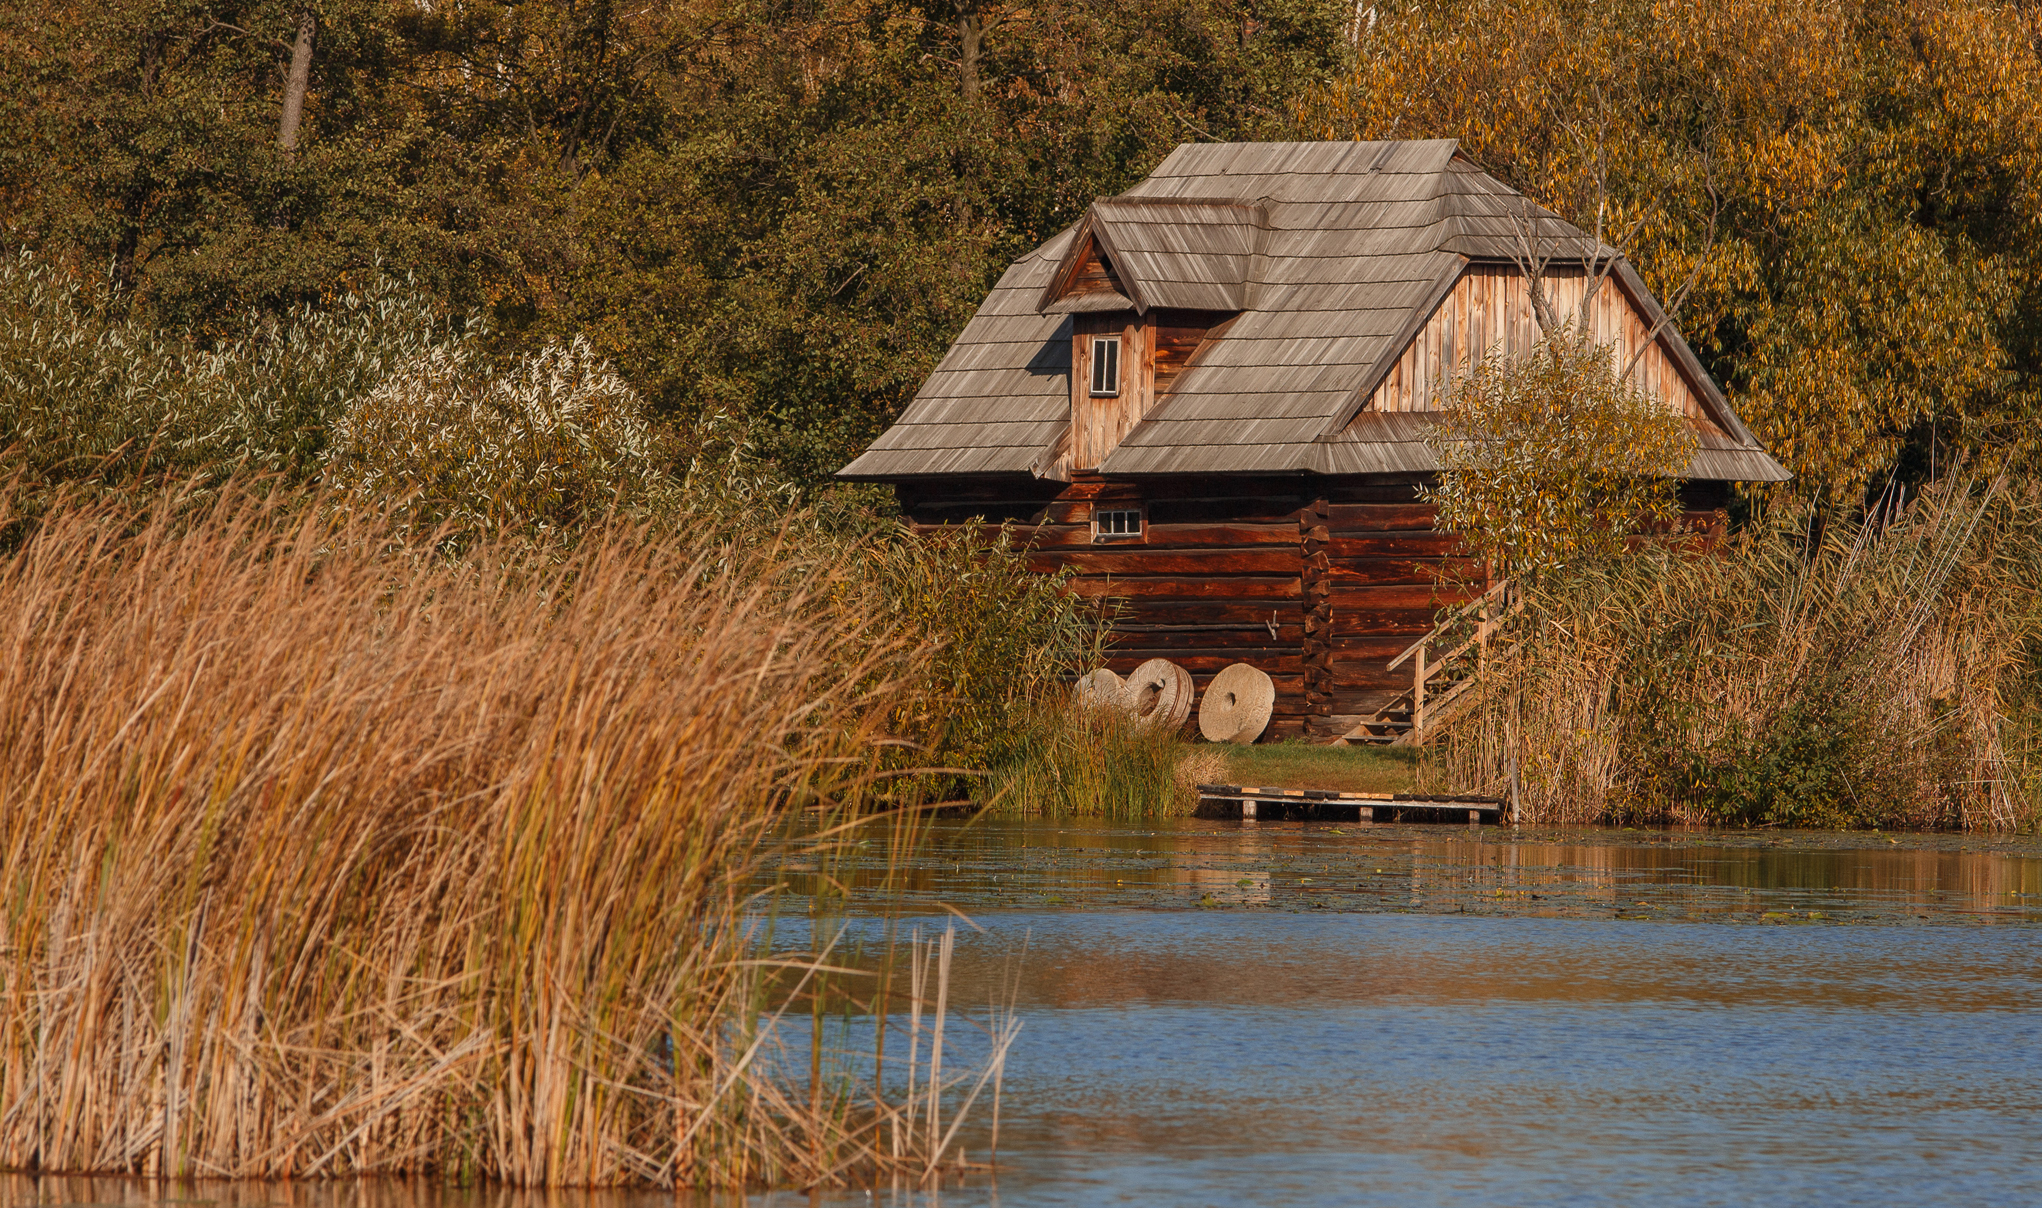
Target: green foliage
{"x":538,"y":447}
{"x":1003,"y":639}
{"x":782,"y":214}
{"x":91,"y":395}
{"x":1555,"y":458}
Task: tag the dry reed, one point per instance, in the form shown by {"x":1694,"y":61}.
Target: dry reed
{"x":320,"y":855}
{"x":1841,"y":674}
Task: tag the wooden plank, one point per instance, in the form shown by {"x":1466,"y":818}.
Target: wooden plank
{"x":1284,"y":672}
{"x":1201,"y":650}
{"x":1426,"y":596}
{"x":1280,"y":510}
{"x":1349,"y":572}
{"x":1350,"y":492}
{"x":1407,"y":622}
{"x":1352,"y":676}
{"x":1182,"y":537}
{"x":1214,"y":612}
{"x":1394,"y":545}
{"x":1372,"y":646}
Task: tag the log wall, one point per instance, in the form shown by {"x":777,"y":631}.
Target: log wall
{"x":1319,"y":582}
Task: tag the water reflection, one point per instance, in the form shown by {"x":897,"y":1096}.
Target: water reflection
{"x":1736,"y":876}
{"x":1248,"y":1056}
{"x":76,"y":1191}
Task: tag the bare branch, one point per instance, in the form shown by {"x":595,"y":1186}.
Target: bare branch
{"x":1671,"y":307}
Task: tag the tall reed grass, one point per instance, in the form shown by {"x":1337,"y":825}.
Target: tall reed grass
{"x":1072,"y":760}
{"x":1881,"y":672}
{"x":321,"y":854}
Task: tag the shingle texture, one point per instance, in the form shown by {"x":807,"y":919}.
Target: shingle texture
{"x":1333,"y":255}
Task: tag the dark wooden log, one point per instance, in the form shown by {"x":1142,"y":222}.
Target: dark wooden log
{"x":1356,"y":597}
{"x":1151,"y":610}
{"x":1358,"y":572}
{"x":1248,"y":645}
{"x":1383,"y":621}
{"x":1283,"y":668}
{"x":1393,"y":489}
{"x":1133,"y":560}
{"x":1380,"y":517}
{"x":1373,"y":646}
{"x":1395,"y":545}
{"x":1241,"y":588}
{"x":1172,"y":537}
{"x":1245,"y":510}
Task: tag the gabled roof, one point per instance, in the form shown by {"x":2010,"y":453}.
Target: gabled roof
{"x":1178,"y":252}
{"x":1333,"y":255}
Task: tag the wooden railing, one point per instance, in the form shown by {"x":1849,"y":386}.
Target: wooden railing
{"x":1427,"y":706}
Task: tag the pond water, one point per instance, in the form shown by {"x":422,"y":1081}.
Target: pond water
{"x":1307,"y":1013}
{"x":1220,"y":1013}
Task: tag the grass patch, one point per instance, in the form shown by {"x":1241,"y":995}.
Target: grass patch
{"x":1080,"y":762}
{"x":1296,"y":765}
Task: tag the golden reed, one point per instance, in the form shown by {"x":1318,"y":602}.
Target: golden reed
{"x":320,"y":854}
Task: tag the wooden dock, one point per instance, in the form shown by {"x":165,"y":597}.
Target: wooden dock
{"x":1264,"y":802}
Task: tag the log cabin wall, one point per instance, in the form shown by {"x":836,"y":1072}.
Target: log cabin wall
{"x":1317,"y":581}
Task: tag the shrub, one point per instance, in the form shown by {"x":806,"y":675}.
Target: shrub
{"x":1554,"y":459}
{"x":535,"y":448}
{"x":90,"y":397}
{"x":1001,"y":640}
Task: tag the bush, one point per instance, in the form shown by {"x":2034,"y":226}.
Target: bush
{"x":536,"y":448}
{"x":1553,"y":459}
{"x":1002,"y":641}
{"x":90,"y":397}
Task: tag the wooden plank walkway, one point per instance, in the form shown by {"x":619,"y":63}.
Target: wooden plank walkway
{"x":1265,"y":802}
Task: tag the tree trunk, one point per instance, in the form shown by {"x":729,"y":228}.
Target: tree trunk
{"x":295,"y":83}
{"x":135,"y":199}
{"x":969,"y":35}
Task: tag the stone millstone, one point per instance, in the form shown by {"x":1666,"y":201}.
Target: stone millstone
{"x":1159,"y":691}
{"x":1237,"y":705}
{"x":1098,"y":689}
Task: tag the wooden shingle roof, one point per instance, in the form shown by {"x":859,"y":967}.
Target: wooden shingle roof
{"x":1332,"y":254}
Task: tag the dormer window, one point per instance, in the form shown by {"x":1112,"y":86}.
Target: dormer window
{"x":1105,"y":366}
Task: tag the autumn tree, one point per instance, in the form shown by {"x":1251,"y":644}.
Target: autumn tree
{"x":1555,"y":457}
{"x":1874,"y":173}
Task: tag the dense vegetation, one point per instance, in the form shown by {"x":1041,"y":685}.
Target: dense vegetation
{"x":521,"y":271}
{"x":780,"y":213}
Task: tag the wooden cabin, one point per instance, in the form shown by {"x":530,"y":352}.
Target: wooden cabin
{"x":1209,"y":398}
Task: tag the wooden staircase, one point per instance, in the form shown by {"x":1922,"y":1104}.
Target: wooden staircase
{"x":1444,"y":687}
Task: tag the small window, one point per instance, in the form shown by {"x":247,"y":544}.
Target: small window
{"x":1120,"y":522}
{"x":1105,"y":366}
